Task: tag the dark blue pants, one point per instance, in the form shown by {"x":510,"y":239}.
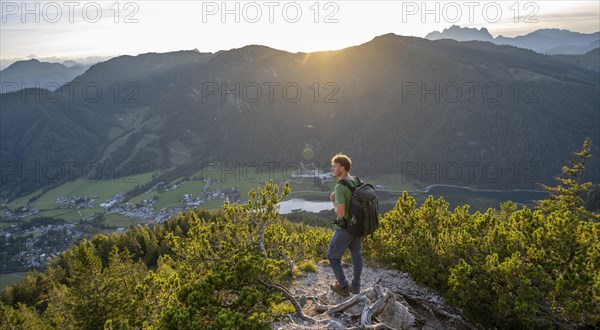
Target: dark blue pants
{"x":340,"y":241}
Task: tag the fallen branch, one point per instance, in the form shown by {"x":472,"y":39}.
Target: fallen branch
{"x":369,"y":311}
{"x":291,"y":298}
{"x":348,"y":303}
{"x":436,"y":307}
{"x":377,"y":307}
{"x":318,"y":306}
{"x":372,"y":327}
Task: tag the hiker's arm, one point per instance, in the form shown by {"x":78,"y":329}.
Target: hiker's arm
{"x":339,"y":203}
{"x":340,"y":210}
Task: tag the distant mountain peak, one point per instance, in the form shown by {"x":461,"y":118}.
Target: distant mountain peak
{"x":32,"y":64}
{"x":461,"y":34}
{"x":69,"y":63}
{"x":546,"y":41}
{"x":459,"y":28}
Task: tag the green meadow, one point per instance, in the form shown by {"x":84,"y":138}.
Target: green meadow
{"x":117,"y":220}
{"x":10,"y":279}
{"x":104,"y":189}
{"x":243,"y":178}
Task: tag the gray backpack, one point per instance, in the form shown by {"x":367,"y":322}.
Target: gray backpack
{"x":363,"y":218}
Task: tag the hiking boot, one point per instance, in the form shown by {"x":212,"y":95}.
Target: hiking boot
{"x":343,"y":291}
{"x":355,"y":286}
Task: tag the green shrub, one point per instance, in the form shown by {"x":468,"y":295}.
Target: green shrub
{"x":308,"y":266}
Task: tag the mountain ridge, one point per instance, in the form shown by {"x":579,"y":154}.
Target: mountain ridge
{"x":33,"y":73}
{"x":545,"y":41}
{"x":547,"y":107}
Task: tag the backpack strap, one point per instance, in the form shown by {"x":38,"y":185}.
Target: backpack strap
{"x":358,"y":181}
{"x":347,"y":184}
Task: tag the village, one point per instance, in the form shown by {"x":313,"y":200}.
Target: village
{"x":30,"y":244}
{"x":33,"y":238}
{"x":34,"y":247}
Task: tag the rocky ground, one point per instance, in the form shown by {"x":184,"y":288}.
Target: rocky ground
{"x":393,"y":301}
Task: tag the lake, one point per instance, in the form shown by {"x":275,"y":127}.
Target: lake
{"x":286,"y":207}
{"x":448,"y":191}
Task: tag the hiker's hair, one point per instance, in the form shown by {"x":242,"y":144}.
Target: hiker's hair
{"x":343,"y":160}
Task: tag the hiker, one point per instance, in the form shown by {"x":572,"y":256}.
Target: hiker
{"x":341,"y":239}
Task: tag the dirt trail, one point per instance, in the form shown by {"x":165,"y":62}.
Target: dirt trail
{"x":414,"y":306}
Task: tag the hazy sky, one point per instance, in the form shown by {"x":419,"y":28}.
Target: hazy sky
{"x":104,"y":28}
